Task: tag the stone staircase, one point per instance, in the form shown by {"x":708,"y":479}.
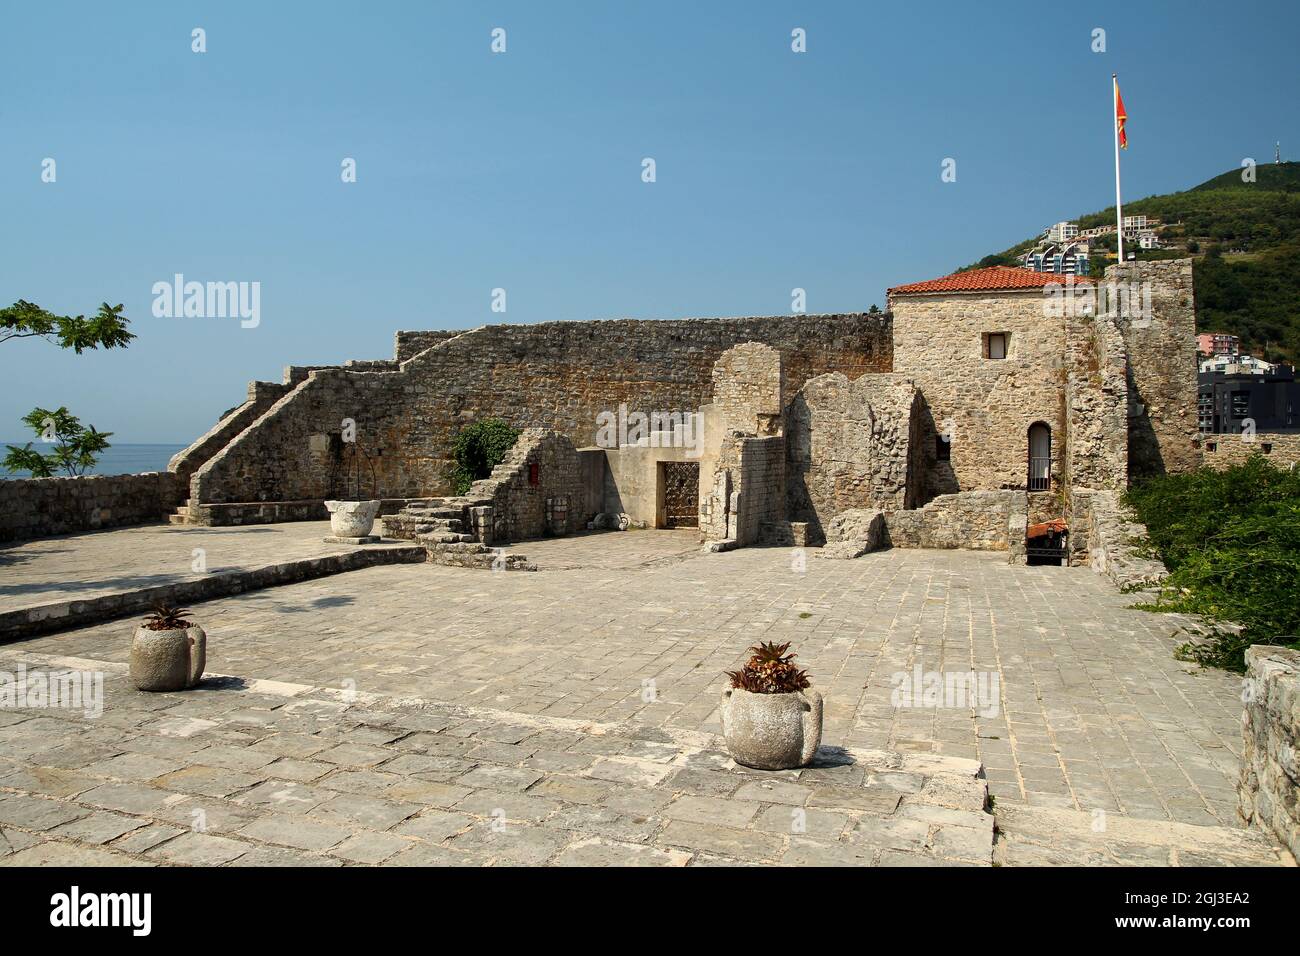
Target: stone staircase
{"x":181,"y":515}
{"x":445,"y":527}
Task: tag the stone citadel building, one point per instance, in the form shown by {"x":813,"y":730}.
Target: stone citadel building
{"x":977,"y":406}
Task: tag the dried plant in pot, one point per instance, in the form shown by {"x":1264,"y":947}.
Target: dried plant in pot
{"x":168,"y":652}
{"x":771,"y":720}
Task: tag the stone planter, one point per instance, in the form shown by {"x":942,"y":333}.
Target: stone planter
{"x":772,"y":731}
{"x":352,"y":519}
{"x":168,"y":660}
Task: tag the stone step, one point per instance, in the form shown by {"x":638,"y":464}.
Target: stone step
{"x":1047,"y":836}
{"x":472,"y":554}
{"x":436,"y":536}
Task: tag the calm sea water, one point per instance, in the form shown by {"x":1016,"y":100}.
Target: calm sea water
{"x":121,"y":459}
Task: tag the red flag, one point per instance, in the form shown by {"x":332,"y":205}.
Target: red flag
{"x":1120,"y":118}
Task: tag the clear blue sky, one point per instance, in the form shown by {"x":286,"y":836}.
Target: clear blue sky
{"x":523,"y":170}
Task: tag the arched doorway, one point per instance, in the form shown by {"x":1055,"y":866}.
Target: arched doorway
{"x":1040,"y":457}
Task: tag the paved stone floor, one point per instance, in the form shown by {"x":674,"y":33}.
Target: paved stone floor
{"x":81,"y":566}
{"x":1088,"y":715}
{"x":271,"y":774}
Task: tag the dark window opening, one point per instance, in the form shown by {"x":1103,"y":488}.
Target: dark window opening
{"x":532,"y":472}
{"x":1040,"y":457}
{"x":995,"y":345}
{"x":942,"y":448}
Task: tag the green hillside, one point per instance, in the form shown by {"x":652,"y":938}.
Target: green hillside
{"x":1245,"y":240}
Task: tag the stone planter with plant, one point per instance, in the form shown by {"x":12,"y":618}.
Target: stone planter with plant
{"x":770,"y":719}
{"x":168,"y":652}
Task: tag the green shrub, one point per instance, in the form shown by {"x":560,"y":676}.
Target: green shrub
{"x":477,"y":449}
{"x":1231,"y":542}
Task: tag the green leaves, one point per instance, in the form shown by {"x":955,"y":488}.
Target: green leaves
{"x":477,"y":449}
{"x":1231,"y":542}
{"x":76,"y":447}
{"x":106,"y":329}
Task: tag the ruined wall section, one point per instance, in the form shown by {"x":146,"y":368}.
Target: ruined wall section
{"x":538,"y":489}
{"x":986,"y":404}
{"x":849,"y":444}
{"x":1162,"y":361}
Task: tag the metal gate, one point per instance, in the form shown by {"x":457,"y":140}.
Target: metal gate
{"x":681,"y":494}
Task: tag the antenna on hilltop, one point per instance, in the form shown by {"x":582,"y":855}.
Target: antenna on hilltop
{"x":1277,"y":153}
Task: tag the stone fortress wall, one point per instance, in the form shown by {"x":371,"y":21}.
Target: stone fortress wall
{"x":884,"y":411}
{"x":556,"y":375}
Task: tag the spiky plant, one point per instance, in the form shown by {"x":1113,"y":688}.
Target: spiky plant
{"x":166,"y":618}
{"x":769,"y":670}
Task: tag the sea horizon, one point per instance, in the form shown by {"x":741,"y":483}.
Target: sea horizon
{"x":124,"y":458}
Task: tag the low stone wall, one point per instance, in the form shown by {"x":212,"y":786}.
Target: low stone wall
{"x":1269,"y":791}
{"x":229,"y":514}
{"x":1114,"y":540}
{"x":977,"y":520}
{"x":1223,"y":451}
{"x":39,"y":507}
{"x":66,"y":615}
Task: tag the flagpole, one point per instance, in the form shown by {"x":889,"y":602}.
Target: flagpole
{"x":1119,"y":209}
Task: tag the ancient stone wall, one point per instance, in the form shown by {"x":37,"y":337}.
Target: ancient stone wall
{"x":1096,"y":399}
{"x":1161,"y":347}
{"x":1278,"y":448}
{"x":1269,"y":791}
{"x":985,"y":404}
{"x":1111,"y":540}
{"x":760,"y":485}
{"x":39,"y":507}
{"x":971,"y":519}
{"x":537,"y":490}
{"x":295,"y":451}
{"x":748,"y":389}
{"x":849,"y":444}
{"x":261,"y":396}
{"x":558,"y":375}
{"x":410,"y":344}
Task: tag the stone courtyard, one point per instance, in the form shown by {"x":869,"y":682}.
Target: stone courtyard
{"x":419,"y":714}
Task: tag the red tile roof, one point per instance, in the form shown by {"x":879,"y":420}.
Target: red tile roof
{"x":986,"y":280}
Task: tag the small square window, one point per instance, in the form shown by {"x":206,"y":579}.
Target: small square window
{"x":942,"y":448}
{"x":995,"y":345}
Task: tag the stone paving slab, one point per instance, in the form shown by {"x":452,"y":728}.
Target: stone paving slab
{"x":52,"y":584}
{"x":1091,"y":711}
{"x":497,"y":808}
{"x":1044,"y":836}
